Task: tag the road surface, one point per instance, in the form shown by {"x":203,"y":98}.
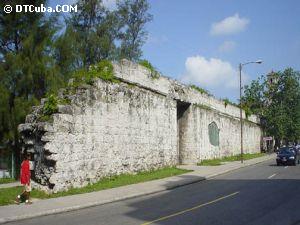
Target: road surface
{"x":263,"y":194}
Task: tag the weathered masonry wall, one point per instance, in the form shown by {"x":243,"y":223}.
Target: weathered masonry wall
{"x":138,"y":124}
{"x":196,"y":143}
{"x":115,"y":129}
{"x":193,"y":135}
{"x":109,"y":129}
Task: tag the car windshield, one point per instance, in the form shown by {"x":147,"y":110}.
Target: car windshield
{"x":285,"y":151}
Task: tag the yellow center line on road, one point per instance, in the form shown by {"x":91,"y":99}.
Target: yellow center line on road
{"x":191,"y":209}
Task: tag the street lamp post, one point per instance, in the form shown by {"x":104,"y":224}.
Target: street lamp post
{"x":241,"y":111}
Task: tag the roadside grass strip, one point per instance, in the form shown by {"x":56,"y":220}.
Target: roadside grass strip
{"x":8,"y":195}
{"x":219,"y":161}
{"x":191,"y":209}
{"x":7,"y":180}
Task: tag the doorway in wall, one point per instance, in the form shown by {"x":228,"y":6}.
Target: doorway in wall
{"x":182,"y":119}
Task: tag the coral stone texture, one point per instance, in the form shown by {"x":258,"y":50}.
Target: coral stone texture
{"x":137,"y":124}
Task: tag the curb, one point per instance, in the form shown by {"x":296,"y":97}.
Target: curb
{"x":97,"y":203}
{"x":234,"y":169}
{"x":78,"y":207}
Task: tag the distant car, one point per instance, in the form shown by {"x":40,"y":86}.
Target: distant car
{"x":297,"y":151}
{"x":286,"y":156}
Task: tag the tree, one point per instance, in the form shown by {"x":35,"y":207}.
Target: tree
{"x":134,"y":16}
{"x":26,"y":66}
{"x":94,"y":30}
{"x":290,"y":88}
{"x":253,"y":98}
{"x":278,"y":103}
{"x":37,"y":56}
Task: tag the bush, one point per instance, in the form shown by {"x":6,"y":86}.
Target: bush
{"x":50,"y":105}
{"x":227,"y":102}
{"x":102,"y":70}
{"x":149,"y":66}
{"x":199,"y":89}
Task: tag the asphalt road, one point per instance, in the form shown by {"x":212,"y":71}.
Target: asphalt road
{"x":262,"y":194}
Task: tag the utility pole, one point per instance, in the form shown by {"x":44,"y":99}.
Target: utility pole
{"x":241,"y":114}
{"x":241,"y":111}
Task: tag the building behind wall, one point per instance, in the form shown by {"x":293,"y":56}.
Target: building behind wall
{"x":141,"y":123}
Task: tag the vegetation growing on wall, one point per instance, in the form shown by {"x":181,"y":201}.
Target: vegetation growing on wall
{"x":199,"y":89}
{"x":50,"y":105}
{"x":202,"y":106}
{"x":102,"y":70}
{"x":228,"y":102}
{"x":154,"y":73}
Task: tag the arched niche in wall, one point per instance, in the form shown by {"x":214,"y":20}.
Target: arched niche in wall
{"x":213,"y":133}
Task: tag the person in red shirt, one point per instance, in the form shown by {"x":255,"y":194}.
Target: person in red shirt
{"x":25,"y":180}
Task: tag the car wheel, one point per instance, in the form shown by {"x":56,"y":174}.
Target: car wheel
{"x":278,"y":164}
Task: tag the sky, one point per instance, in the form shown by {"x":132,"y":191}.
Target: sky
{"x":202,"y":42}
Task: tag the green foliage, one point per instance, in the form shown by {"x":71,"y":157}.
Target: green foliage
{"x":27,"y":68}
{"x":45,"y":118}
{"x":254,"y":97}
{"x":102,"y":70}
{"x":228,"y":102}
{"x":8,"y":195}
{"x":7,"y":180}
{"x":278,"y":103}
{"x":154,"y":73}
{"x":282,"y":116}
{"x":94,"y":33}
{"x":133,"y":16}
{"x":248,"y":111}
{"x":50,"y":105}
{"x":219,"y":161}
{"x":199,"y":89}
{"x":87,"y":34}
{"x":39,"y":53}
{"x":201,"y":106}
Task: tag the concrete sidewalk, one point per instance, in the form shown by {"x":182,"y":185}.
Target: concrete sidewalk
{"x":8,"y":185}
{"x":74,"y":202}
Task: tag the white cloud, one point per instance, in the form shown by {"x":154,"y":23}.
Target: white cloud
{"x":230,"y":25}
{"x":227,"y":46}
{"x":211,"y":73}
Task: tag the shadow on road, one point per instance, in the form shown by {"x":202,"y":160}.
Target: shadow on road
{"x":265,"y":201}
{"x":232,"y":199}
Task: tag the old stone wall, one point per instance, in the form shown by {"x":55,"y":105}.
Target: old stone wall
{"x":111,"y":129}
{"x":196,"y":143}
{"x":140,"y":123}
